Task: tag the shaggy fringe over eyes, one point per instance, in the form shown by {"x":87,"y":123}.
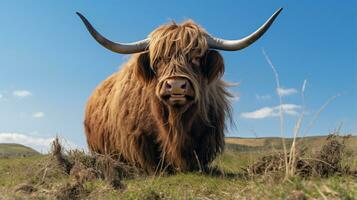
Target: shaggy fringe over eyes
{"x":177,"y":43}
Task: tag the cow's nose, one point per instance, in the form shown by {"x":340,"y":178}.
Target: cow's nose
{"x":176,"y":85}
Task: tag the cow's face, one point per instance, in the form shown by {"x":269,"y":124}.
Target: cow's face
{"x":179,"y":84}
{"x":179,"y":64}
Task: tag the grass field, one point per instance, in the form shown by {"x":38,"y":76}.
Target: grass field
{"x":33,"y":178}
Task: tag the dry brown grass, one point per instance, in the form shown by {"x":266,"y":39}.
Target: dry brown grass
{"x":326,"y":162}
{"x":76,"y":168}
{"x":252,"y":142}
{"x":57,"y":153}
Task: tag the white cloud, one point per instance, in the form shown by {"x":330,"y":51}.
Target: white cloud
{"x":38,"y":115}
{"x":289,"y":109}
{"x":286,"y":91}
{"x":1,"y":96}
{"x":38,"y":143}
{"x":41,"y":144}
{"x":258,"y":114}
{"x":21,"y":93}
{"x":262,"y":97}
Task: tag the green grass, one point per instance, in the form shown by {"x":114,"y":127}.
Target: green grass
{"x":30,"y":170}
{"x":15,"y":170}
{"x":198,"y":186}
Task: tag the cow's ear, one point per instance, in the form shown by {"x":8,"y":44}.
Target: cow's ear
{"x":143,"y":70}
{"x":212,"y":65}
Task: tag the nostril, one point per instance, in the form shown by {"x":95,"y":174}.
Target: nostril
{"x":168,"y":86}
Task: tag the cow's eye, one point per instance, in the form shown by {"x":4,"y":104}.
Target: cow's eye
{"x":196,"y":61}
{"x":213,"y":65}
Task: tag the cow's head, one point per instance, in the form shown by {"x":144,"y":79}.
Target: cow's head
{"x":179,"y":60}
{"x":179,"y":64}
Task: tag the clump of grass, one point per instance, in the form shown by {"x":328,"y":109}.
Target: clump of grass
{"x":88,"y":167}
{"x":83,"y":173}
{"x":79,"y":156}
{"x":326,"y":162}
{"x":71,"y":191}
{"x":329,"y":160}
{"x":57,"y":153}
{"x":275,"y":163}
{"x":66,"y":174}
{"x":112,"y":170}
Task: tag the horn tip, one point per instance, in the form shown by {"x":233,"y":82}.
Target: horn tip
{"x":279,"y":10}
{"x":79,"y":14}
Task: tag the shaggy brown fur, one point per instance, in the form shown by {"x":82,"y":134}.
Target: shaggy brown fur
{"x":126,"y":117}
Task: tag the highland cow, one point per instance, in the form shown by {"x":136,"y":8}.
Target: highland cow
{"x":167,"y":106}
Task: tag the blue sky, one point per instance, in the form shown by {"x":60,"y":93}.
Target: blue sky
{"x":49,"y":64}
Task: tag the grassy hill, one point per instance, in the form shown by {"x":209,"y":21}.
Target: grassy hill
{"x":274,"y":143}
{"x":16,"y":150}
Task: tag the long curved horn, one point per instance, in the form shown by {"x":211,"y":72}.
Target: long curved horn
{"x":233,"y":45}
{"x":123,"y":48}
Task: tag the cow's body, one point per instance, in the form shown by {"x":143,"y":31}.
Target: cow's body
{"x":122,"y":118}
